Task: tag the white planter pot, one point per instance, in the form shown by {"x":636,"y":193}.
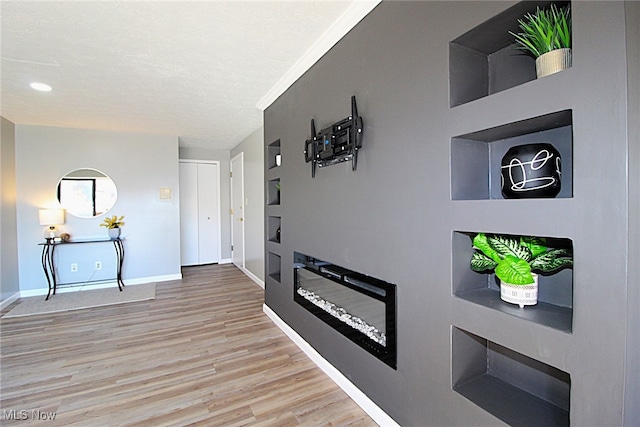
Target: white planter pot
{"x":520,"y":294}
{"x":114,"y":233}
{"x":278,"y":159}
{"x":552,"y":62}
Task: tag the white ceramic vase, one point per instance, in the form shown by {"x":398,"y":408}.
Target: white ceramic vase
{"x":520,"y":294}
{"x":552,"y":62}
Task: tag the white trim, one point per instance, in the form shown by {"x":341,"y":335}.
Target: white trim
{"x":8,"y":301}
{"x":253,"y":277}
{"x":225,"y":261}
{"x":240,"y":155}
{"x":332,"y":35}
{"x":87,"y":287}
{"x":361,"y":399}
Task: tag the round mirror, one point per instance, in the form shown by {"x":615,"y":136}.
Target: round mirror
{"x":86,"y":193}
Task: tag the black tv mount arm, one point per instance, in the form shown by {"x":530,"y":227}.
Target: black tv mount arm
{"x":337,"y":143}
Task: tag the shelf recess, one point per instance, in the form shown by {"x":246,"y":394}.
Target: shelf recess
{"x":484,"y":60}
{"x":515,"y":388}
{"x":555,"y":293}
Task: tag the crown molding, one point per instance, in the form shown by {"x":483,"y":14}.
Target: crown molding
{"x":332,"y":35}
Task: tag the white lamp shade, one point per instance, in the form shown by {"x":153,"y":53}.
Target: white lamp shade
{"x":51,"y":216}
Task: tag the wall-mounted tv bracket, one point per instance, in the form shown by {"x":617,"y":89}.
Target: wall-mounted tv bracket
{"x":337,"y":143}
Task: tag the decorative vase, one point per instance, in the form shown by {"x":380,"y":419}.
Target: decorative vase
{"x":278,"y":159}
{"x":278,"y":235}
{"x":531,"y":171}
{"x":520,"y":294}
{"x":552,"y":62}
{"x":114,"y":233}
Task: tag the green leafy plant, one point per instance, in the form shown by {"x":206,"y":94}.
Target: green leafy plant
{"x":514,"y":258}
{"x":544,"y":31}
{"x":113,"y":222}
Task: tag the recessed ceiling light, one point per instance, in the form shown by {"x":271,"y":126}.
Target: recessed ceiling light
{"x":41,"y":87}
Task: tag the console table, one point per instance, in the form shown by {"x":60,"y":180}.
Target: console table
{"x":49,"y":247}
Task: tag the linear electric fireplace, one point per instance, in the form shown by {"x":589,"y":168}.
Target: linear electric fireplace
{"x":360,"y":307}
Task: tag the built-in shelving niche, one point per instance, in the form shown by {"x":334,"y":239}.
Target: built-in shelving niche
{"x":485,"y":61}
{"x":273,"y":150}
{"x":515,"y":388}
{"x":273,"y":225}
{"x":274,"y":266}
{"x":273,"y":193}
{"x":476,"y":157}
{"x":555,"y":292}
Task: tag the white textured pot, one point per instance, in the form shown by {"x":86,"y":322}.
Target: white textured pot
{"x":520,"y":294}
{"x":552,"y":62}
{"x":114,"y":233}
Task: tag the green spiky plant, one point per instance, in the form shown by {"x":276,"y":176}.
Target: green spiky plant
{"x":544,"y":31}
{"x":515,"y":258}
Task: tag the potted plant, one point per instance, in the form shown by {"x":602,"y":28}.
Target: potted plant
{"x":113,"y":225}
{"x":516,"y":260}
{"x":546,"y":35}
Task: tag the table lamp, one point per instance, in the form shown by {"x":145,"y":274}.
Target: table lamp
{"x":51,"y":218}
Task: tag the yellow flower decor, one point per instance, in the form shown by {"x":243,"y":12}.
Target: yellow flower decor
{"x":113,"y":222}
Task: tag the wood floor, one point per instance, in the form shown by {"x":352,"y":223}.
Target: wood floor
{"x":202,"y":353}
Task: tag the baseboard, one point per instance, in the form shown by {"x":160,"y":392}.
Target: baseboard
{"x":253,"y":277}
{"x":8,"y":301}
{"x":225,"y":261}
{"x":361,"y":399}
{"x":90,"y":286}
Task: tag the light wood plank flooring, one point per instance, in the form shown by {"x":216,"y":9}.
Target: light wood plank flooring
{"x":201,"y":353}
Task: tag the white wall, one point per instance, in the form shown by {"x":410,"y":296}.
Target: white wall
{"x":253,"y":149}
{"x":139,"y":164}
{"x":9,"y":283}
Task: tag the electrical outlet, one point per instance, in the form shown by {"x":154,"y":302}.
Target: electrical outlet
{"x":74,"y":267}
{"x":98,"y":265}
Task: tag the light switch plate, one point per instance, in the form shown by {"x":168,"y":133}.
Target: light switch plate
{"x":165,"y":193}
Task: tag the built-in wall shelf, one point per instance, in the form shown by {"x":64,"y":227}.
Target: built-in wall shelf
{"x":485,"y":60}
{"x":555,"y":292}
{"x":273,"y":153}
{"x":274,"y":266}
{"x":273,"y":229}
{"x":515,"y":388}
{"x":476,"y":157}
{"x":273,"y":192}
{"x":273,"y":212}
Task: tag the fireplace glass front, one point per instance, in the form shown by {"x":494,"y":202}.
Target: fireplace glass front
{"x":360,"y":307}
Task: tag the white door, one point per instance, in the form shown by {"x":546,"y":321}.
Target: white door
{"x":188,"y":213}
{"x":199,"y":213}
{"x":237,"y":210}
{"x":208,"y":239}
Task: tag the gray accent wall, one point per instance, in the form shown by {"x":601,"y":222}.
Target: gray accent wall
{"x":632,"y":392}
{"x":9,"y":283}
{"x":395,"y":219}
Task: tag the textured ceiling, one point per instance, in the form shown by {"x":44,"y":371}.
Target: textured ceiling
{"x":196,"y":70}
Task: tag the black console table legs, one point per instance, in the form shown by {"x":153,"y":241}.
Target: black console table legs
{"x":48,"y":264}
{"x":117,"y":243}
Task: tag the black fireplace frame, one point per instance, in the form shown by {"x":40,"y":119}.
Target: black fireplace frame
{"x":370,"y":286}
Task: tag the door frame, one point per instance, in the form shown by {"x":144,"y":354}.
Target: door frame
{"x":240,"y":155}
{"x":214,"y":162}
